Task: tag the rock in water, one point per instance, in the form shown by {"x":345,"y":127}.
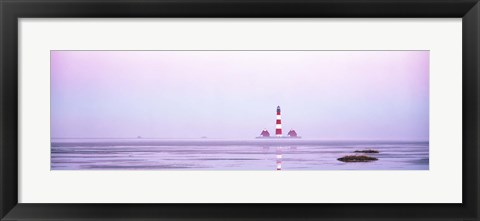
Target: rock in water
{"x":357,"y":158}
{"x":366,"y":151}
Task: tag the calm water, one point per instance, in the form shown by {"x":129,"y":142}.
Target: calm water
{"x":297,"y":154}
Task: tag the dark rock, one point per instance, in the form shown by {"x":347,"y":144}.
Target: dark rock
{"x":357,"y":158}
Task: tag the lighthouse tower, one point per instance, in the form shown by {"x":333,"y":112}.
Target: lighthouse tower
{"x":278,"y":128}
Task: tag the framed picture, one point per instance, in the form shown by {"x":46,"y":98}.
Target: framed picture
{"x":253,"y":110}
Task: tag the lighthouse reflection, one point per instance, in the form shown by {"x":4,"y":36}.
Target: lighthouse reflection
{"x":279,"y":152}
{"x":279,"y":157}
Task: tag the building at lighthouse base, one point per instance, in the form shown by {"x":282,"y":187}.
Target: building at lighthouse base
{"x":266,"y":135}
{"x":280,"y":137}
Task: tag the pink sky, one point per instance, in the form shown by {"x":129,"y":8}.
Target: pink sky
{"x":234,"y":94}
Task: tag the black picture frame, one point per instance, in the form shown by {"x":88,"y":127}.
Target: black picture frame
{"x":12,"y":10}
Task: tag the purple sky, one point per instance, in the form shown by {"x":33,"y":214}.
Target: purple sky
{"x":234,"y":94}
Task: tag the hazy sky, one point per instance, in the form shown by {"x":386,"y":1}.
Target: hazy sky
{"x":234,"y":94}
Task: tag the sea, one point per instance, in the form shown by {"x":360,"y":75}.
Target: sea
{"x":246,"y":155}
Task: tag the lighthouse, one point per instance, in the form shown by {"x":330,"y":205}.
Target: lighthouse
{"x":278,"y":128}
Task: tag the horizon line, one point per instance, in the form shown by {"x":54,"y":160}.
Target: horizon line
{"x":218,"y":138}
